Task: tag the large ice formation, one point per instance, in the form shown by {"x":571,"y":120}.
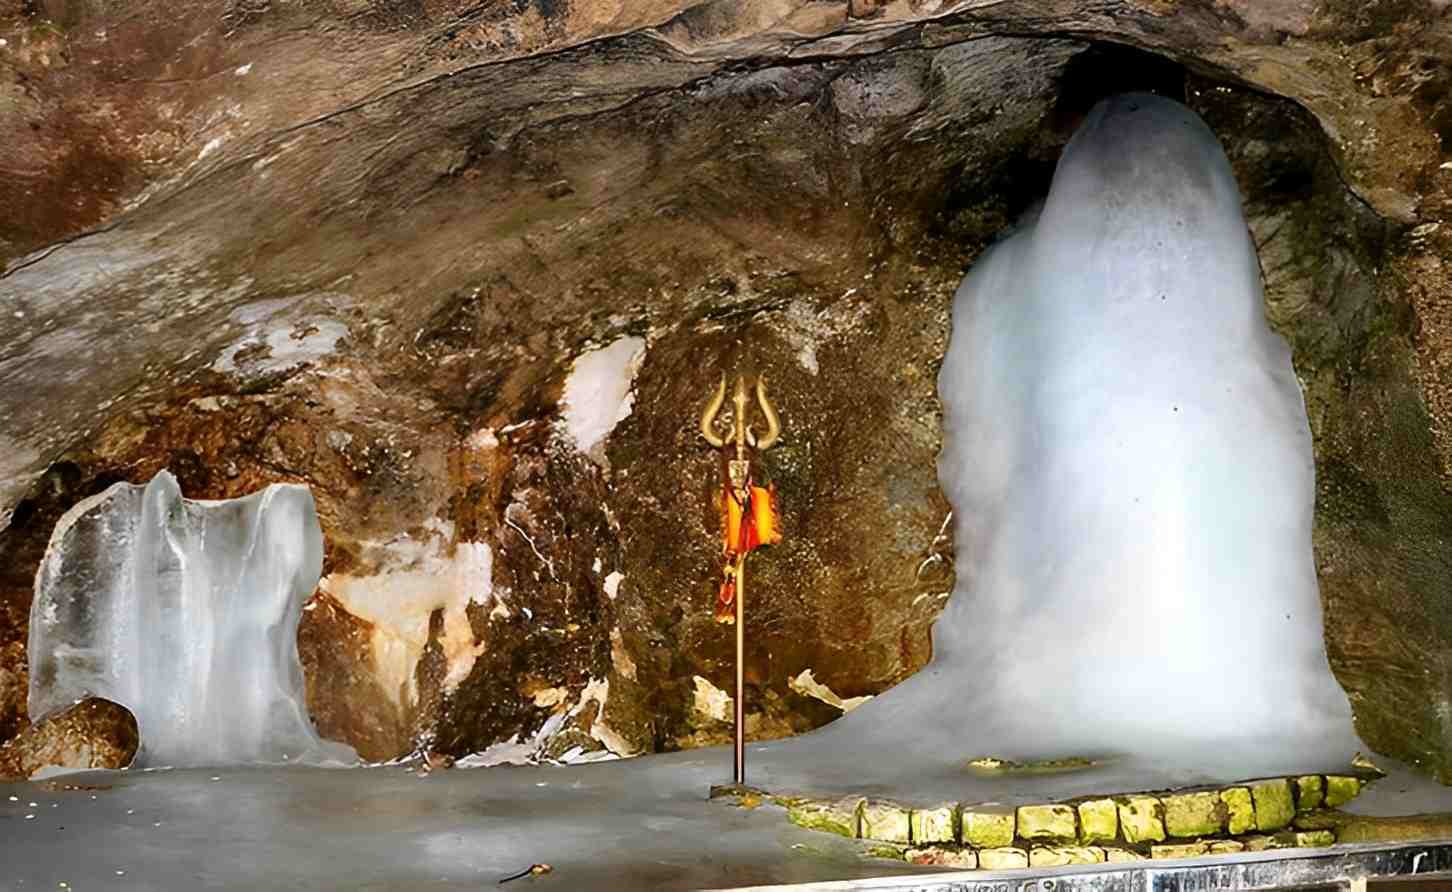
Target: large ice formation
{"x":1130,"y":466}
{"x":1129,"y":462}
{"x":186,"y":613}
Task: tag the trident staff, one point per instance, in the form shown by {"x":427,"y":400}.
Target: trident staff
{"x":749,"y":520}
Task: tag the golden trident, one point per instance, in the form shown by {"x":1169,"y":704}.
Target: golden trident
{"x":748,"y":522}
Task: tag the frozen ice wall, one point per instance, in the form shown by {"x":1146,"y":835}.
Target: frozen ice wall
{"x":1130,"y":465}
{"x":186,"y":613}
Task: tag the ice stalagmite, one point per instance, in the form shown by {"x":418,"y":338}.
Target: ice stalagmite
{"x":1128,"y":457}
{"x":185,"y":612}
{"x":1130,"y":465}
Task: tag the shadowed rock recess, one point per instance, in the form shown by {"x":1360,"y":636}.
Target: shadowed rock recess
{"x":377,"y":248}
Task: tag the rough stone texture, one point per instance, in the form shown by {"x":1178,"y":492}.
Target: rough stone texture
{"x":886,"y":821}
{"x":1002,"y":858}
{"x":1179,"y":850}
{"x":94,"y":733}
{"x":937,"y":856}
{"x":1142,"y":819}
{"x":1313,"y":839}
{"x":1310,"y":792}
{"x":988,"y":830}
{"x":1050,"y":856}
{"x":359,"y":247}
{"x":1122,"y":856}
{"x":1047,"y":823}
{"x":1194,"y":814}
{"x":1341,"y":790}
{"x":1225,"y":847}
{"x":842,"y":818}
{"x":1274,"y":806}
{"x":935,"y":824}
{"x":1239,"y":810}
{"x":1098,"y":821}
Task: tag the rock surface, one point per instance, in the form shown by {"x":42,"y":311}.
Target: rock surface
{"x":93,"y":733}
{"x":363,"y":249}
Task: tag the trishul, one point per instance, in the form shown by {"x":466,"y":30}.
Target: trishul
{"x":748,"y":517}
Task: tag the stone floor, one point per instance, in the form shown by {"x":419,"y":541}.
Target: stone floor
{"x":639,"y":824}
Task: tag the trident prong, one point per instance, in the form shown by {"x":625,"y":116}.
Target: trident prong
{"x":708,"y":418}
{"x":773,"y":423}
{"x":743,"y":435}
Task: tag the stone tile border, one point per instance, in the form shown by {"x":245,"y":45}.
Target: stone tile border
{"x":1249,"y":817}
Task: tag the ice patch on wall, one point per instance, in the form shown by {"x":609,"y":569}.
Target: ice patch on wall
{"x":598,"y":394}
{"x":186,"y":613}
{"x":415,"y":577}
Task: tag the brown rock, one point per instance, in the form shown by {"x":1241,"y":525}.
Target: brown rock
{"x":94,"y":733}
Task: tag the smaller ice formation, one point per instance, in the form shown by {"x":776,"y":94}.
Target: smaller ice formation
{"x":185,"y":612}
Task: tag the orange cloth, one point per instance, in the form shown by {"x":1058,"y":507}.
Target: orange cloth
{"x":747,"y":527}
{"x":744,"y":528}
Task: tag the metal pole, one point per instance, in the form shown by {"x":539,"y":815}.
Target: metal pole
{"x":740,"y":671}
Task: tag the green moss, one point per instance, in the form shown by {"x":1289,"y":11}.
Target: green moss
{"x":1239,"y":810}
{"x":1098,"y":821}
{"x":1059,"y":856}
{"x":1122,"y":856}
{"x":1310,"y":792}
{"x":1359,"y":829}
{"x":996,"y":766}
{"x":883,"y":850}
{"x":841,"y":817}
{"x":1003,"y":858}
{"x":987,"y":830}
{"x":1179,"y":850}
{"x":1188,"y":815}
{"x":1274,"y":806}
{"x":1140,"y":819}
{"x":1341,"y":790}
{"x":1047,"y":823}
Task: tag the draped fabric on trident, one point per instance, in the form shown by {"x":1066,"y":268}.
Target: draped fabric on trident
{"x":744,"y":528}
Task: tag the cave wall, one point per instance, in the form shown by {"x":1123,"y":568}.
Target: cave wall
{"x":360,"y":246}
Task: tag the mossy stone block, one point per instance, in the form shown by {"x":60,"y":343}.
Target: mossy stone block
{"x":887,"y":850}
{"x":1309,"y":839}
{"x":1274,"y":807}
{"x":1189,"y":815}
{"x":935,"y":824}
{"x":1059,"y":856}
{"x":942,"y":856}
{"x":840,"y":817}
{"x":988,"y":830}
{"x":1098,"y":821}
{"x":1225,"y":847}
{"x":1341,"y":790}
{"x":1239,"y":810}
{"x":886,"y":821}
{"x":1262,"y":843}
{"x":1122,"y":856}
{"x":1179,"y":850}
{"x":1310,"y":792}
{"x":1140,"y":819}
{"x":1002,"y":858}
{"x":1047,"y":823}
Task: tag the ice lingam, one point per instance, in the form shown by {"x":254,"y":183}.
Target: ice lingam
{"x":1129,"y":460}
